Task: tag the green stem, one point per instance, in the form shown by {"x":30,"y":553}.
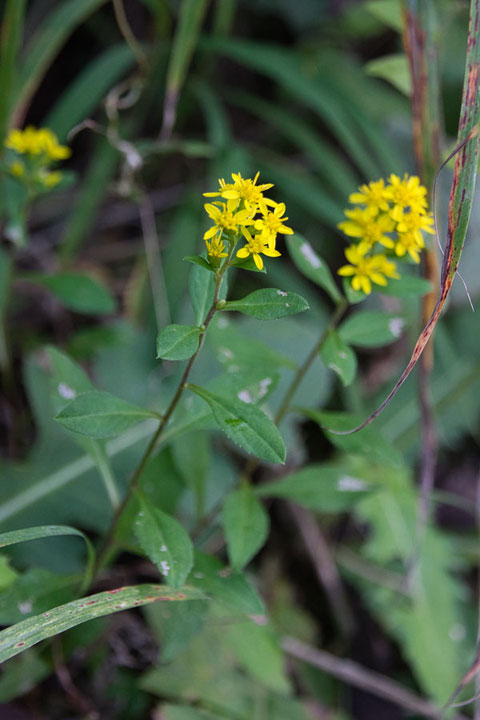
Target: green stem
{"x":135,"y":482}
{"x":304,"y":368}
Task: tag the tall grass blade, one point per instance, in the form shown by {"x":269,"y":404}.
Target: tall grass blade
{"x":190,"y":21}
{"x":10,"y":40}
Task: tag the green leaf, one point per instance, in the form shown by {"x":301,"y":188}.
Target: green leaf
{"x":166,"y":543}
{"x":98,"y":414}
{"x":311,"y":265}
{"x":177,"y":342}
{"x":77,"y":292}
{"x":268,"y":304}
{"x":353,"y":296}
{"x":367,"y":442}
{"x":45,"y":531}
{"x":339,"y":357}
{"x":387,"y":11}
{"x":27,"y":633}
{"x":245,"y":524}
{"x":202,"y":287}
{"x":371,"y":329}
{"x":246,"y":425}
{"x":406,"y":286}
{"x":394,"y":69}
{"x":258,"y":650}
{"x":324,"y":487}
{"x":231,"y":589}
{"x":199,"y":260}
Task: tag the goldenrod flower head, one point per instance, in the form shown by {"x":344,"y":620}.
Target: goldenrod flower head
{"x":372,"y":196}
{"x":248,"y":215}
{"x":256,"y":245}
{"x":244,"y":189}
{"x":36,"y":150}
{"x":37,"y":142}
{"x":364,"y":270}
{"x":216,"y":248}
{"x":272,"y":223}
{"x":225,"y":219}
{"x":369,"y":227}
{"x":391,"y":216}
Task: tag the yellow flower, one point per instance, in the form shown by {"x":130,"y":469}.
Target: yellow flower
{"x":256,"y":245}
{"x":50,"y":179}
{"x":406,"y":193}
{"x":365,"y":270}
{"x":371,"y":195}
{"x":17,"y":169}
{"x":216,"y":248}
{"x":225,"y":219}
{"x":368,"y":227}
{"x":414,"y":223}
{"x":272,"y":223}
{"x":37,"y":142}
{"x":244,"y":189}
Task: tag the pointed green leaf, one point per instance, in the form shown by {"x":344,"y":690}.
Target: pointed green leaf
{"x":177,"y":342}
{"x":231,"y":589}
{"x":246,"y":425}
{"x":371,"y":329}
{"x":406,"y":286}
{"x":339,"y":357}
{"x":245,"y":524}
{"x":27,"y":633}
{"x":199,"y":260}
{"x":268,"y":304}
{"x":98,"y":414}
{"x":394,"y":69}
{"x":311,"y":265}
{"x":166,"y":543}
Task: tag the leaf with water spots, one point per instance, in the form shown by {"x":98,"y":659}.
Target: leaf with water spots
{"x":268,"y":304}
{"x":246,"y":425}
{"x":166,"y":543}
{"x":371,"y":329}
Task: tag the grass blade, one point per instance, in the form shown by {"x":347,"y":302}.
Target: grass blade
{"x":27,"y":633}
{"x":192,"y":13}
{"x":9,"y":43}
{"x":47,"y":42}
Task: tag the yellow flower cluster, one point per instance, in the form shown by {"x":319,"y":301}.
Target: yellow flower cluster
{"x":387,"y":222}
{"x":35,"y":150}
{"x":243,"y":211}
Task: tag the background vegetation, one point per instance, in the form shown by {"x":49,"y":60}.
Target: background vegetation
{"x":318,"y":619}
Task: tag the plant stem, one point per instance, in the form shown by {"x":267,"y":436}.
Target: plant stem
{"x":107,"y":477}
{"x":129,"y":37}
{"x":135,"y":481}
{"x":303,"y":369}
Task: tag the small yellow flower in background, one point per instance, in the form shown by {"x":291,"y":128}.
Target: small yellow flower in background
{"x":246,"y":215}
{"x":391,"y":218}
{"x":365,"y":270}
{"x":39,"y":149}
{"x":37,"y":142}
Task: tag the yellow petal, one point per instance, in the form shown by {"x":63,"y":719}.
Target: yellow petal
{"x":258,"y":261}
{"x":243,"y":252}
